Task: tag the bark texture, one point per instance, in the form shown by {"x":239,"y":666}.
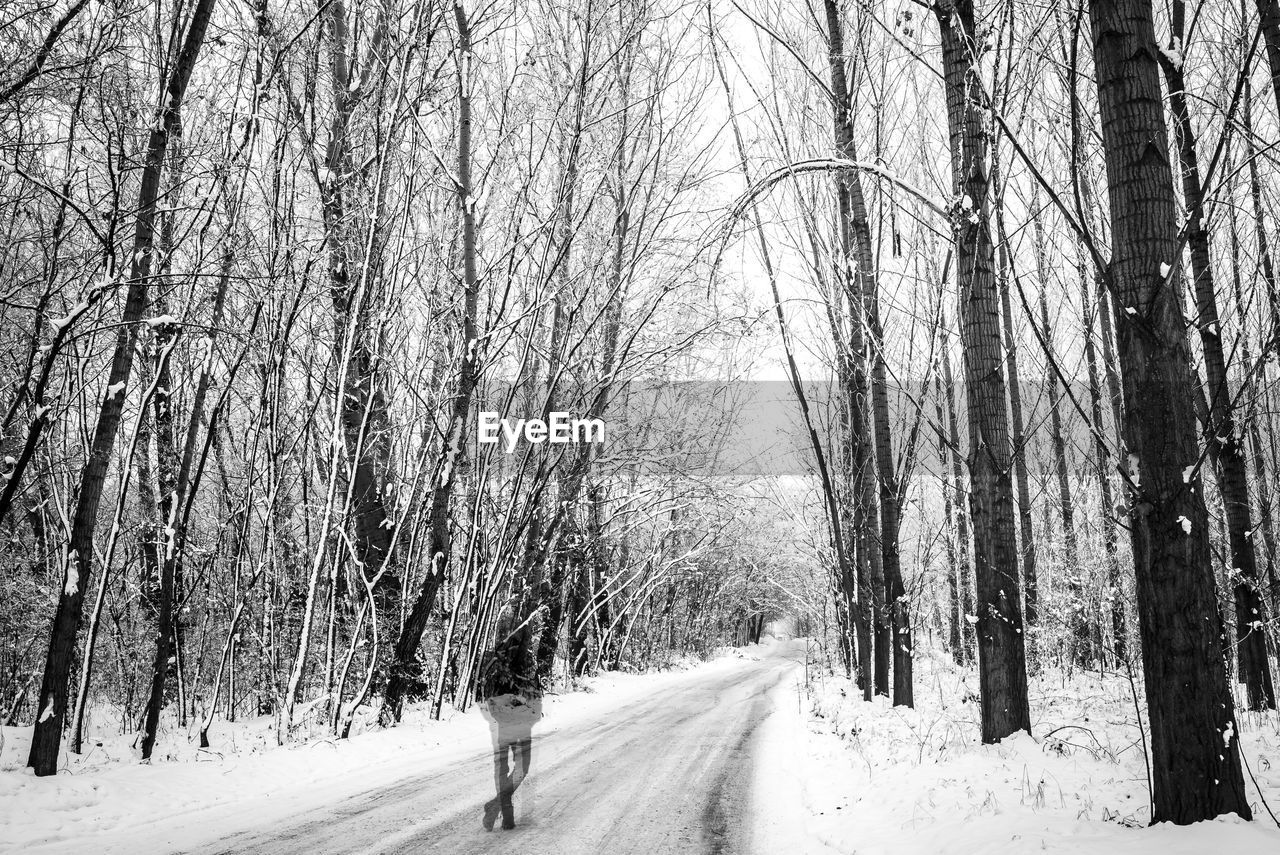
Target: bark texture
{"x":1001,"y":645}
{"x":1224,"y":441}
{"x":1196,"y":773}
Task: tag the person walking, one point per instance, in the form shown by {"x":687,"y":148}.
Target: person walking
{"x":512,"y":695}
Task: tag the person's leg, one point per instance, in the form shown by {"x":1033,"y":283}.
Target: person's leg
{"x":501,"y":780}
{"x":523,"y":750}
{"x":506,"y":786}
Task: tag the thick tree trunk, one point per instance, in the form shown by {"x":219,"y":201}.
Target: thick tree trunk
{"x":54,"y":689}
{"x":1001,"y":645}
{"x":1195,"y":766}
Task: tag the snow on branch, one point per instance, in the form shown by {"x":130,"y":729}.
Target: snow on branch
{"x":829,"y":164}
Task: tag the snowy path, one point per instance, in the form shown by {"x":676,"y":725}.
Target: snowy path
{"x":704,"y":761}
{"x":667,"y":773}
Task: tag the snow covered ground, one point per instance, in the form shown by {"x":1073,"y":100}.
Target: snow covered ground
{"x":102,"y":800}
{"x":832,"y":774}
{"x":923,"y":783}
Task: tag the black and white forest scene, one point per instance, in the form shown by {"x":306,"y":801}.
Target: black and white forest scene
{"x":671,"y":427}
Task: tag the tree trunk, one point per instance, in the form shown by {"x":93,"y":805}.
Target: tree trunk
{"x":1272,"y":289}
{"x":898,"y":634}
{"x":955,"y":614}
{"x":404,"y":669}
{"x":140,"y":439}
{"x":599,"y":583}
{"x":1260,"y":228}
{"x":1079,"y":607}
{"x":1001,"y":645}
{"x":47,"y":736}
{"x":1257,"y":451}
{"x":964,"y":547}
{"x":164,"y":519}
{"x":855,"y":271}
{"x":1224,"y":442}
{"x":364,"y":406}
{"x":1030,"y":588}
{"x":1195,"y":766}
{"x":1269,"y":20}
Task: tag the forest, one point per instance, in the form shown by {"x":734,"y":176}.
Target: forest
{"x":942,"y":328}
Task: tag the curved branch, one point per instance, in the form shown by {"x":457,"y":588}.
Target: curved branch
{"x":830,"y":164}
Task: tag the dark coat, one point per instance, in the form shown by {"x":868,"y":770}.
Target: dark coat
{"x":511,"y":667}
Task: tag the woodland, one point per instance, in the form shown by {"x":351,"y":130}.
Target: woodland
{"x":1009,"y":266}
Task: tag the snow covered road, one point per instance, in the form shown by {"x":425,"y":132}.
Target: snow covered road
{"x":670,"y":772}
{"x":709,"y":760}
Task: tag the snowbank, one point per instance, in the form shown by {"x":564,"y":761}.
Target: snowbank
{"x":925,"y":783}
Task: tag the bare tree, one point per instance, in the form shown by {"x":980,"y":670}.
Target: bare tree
{"x":78,"y":559}
{"x":1224,"y":444}
{"x":1001,"y":642}
{"x":1190,"y":707}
